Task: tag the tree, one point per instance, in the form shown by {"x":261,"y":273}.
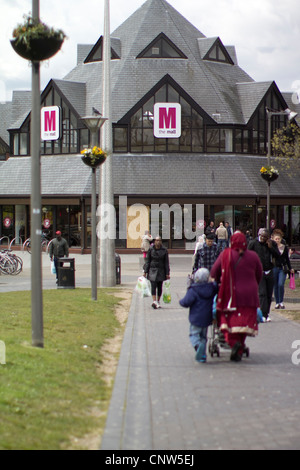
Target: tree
{"x":286,"y":147}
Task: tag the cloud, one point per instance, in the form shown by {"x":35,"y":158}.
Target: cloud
{"x":266,"y":34}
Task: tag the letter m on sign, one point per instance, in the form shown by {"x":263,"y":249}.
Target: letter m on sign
{"x":167,"y":120}
{"x":167,"y":117}
{"x":50,"y":123}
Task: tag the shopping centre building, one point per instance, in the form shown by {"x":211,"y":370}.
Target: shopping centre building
{"x":213,"y":160}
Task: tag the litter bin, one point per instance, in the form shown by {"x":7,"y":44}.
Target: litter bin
{"x":66,"y":273}
{"x":118,"y":269}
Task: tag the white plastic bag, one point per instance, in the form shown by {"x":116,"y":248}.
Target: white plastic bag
{"x":167,"y":292}
{"x":53,"y":270}
{"x":143,"y":287}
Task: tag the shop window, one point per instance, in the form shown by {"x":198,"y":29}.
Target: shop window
{"x":120,"y":139}
{"x":243,"y":218}
{"x":69,"y":222}
{"x":8,"y":222}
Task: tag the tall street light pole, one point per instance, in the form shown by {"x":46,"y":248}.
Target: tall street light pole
{"x":290,"y":115}
{"x":94,"y":123}
{"x":107,"y":244}
{"x":36,"y":203}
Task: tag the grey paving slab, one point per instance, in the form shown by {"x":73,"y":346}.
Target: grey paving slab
{"x":167,"y":401}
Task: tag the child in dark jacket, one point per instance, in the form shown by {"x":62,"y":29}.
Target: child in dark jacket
{"x":199,"y":298}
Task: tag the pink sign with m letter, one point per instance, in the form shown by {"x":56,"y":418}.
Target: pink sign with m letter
{"x":50,"y":123}
{"x":167,"y":120}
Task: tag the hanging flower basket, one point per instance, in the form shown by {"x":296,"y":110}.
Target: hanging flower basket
{"x":35,"y":41}
{"x":269,"y":173}
{"x":93,"y":157}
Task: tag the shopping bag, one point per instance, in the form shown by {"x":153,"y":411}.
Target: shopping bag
{"x":167,"y":292}
{"x":53,"y":270}
{"x":143,"y":287}
{"x":292,"y":282}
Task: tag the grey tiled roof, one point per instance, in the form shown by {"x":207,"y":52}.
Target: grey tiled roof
{"x":61,"y":175}
{"x":197,"y":175}
{"x":211,"y":85}
{"x":167,"y":175}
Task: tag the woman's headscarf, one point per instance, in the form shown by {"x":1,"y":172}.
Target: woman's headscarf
{"x":226,"y":297}
{"x":238,"y":241}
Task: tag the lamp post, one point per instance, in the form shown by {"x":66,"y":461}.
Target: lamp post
{"x":94,"y":123}
{"x":290,"y":115}
{"x":107,"y":244}
{"x":36,"y":203}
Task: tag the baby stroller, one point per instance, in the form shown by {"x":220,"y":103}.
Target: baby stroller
{"x":217,"y":339}
{"x":214,"y":340}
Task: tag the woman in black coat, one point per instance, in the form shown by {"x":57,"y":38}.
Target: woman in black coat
{"x":157,"y":269}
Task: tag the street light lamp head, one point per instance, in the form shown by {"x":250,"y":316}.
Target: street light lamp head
{"x":94,"y":123}
{"x":290,"y":114}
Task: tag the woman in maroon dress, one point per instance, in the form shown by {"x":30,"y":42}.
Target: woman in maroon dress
{"x":239,"y":272}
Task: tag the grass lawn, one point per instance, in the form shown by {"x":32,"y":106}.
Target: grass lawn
{"x":51,"y":397}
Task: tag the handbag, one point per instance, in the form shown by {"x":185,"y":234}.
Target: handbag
{"x":292,"y":282}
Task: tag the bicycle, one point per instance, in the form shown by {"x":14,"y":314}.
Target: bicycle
{"x":10,"y":264}
{"x":44,"y":243}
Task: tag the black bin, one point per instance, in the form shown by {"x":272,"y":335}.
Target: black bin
{"x":118,"y":269}
{"x":66,"y":273}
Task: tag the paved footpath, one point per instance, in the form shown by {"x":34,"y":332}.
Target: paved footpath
{"x":164,"y":400}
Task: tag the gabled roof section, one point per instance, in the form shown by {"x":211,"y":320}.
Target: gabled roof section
{"x":72,"y":93}
{"x":162,"y":47}
{"x":251,"y":95}
{"x":160,"y":84}
{"x":95,"y":55}
{"x":213,"y":49}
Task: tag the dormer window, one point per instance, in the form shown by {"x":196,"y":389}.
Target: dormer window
{"x":162,"y":48}
{"x":96,"y":54}
{"x":218,"y":53}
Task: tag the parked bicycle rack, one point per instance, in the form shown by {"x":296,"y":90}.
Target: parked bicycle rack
{"x":3,"y":239}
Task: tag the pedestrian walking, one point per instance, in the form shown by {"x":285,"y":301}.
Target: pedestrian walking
{"x":281,"y":269}
{"x":267,"y":251}
{"x":199,"y":299}
{"x":59,"y":248}
{"x":207,"y":255}
{"x":239,"y":272}
{"x":211,"y":229}
{"x":229,"y":231}
{"x":222,"y":237}
{"x":146,"y":242}
{"x":157,"y":269}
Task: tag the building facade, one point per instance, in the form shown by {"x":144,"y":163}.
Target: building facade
{"x":157,"y":57}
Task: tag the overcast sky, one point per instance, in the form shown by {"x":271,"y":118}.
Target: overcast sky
{"x":266,"y":34}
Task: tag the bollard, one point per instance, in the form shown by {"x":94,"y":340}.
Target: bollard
{"x":2,"y":353}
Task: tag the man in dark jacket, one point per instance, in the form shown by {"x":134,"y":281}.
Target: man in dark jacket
{"x":58,"y":249}
{"x":266,"y":250}
{"x":157,"y":269}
